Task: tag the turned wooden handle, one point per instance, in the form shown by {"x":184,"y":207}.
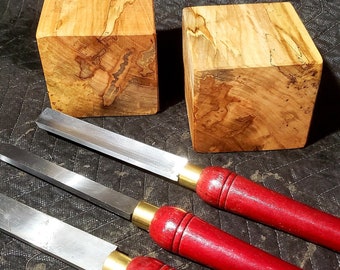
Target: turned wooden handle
{"x":227,"y":190}
{"x":182,"y":233}
{"x":147,"y":263}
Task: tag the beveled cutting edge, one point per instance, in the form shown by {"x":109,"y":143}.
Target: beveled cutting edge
{"x":112,"y":144}
{"x":69,"y":244}
{"x":77,"y":184}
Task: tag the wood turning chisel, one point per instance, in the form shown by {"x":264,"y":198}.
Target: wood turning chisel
{"x":217,"y":186}
{"x":171,"y":228}
{"x":65,"y":242}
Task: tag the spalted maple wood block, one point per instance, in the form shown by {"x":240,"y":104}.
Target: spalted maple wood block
{"x":99,"y":56}
{"x":252,"y":74}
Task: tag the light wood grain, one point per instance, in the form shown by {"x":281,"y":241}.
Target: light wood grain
{"x":251,"y":77}
{"x":99,"y":57}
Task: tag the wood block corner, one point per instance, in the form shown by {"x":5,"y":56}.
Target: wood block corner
{"x":99,"y":59}
{"x":252,"y":74}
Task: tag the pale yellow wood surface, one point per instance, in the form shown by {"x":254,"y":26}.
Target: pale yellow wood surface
{"x":96,"y":18}
{"x":99,"y":57}
{"x":251,"y":77}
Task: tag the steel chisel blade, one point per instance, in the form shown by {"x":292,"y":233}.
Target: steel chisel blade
{"x":77,"y":184}
{"x":133,"y":152}
{"x":67,"y":243}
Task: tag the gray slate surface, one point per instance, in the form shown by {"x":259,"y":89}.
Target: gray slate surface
{"x":310,"y":175}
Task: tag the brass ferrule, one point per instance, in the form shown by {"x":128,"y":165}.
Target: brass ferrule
{"x":116,"y":261}
{"x":143,"y":215}
{"x":189,"y":176}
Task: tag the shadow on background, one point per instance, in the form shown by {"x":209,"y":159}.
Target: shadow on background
{"x":326,"y":115}
{"x":170,"y":67}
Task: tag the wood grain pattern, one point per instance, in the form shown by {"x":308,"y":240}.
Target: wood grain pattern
{"x":251,"y":77}
{"x":99,"y":57}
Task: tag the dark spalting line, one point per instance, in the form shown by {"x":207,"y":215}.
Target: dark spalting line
{"x":115,"y":88}
{"x":122,"y":66}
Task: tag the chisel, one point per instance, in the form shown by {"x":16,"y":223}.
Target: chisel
{"x":65,"y":242}
{"x":171,"y":228}
{"x":217,"y":186}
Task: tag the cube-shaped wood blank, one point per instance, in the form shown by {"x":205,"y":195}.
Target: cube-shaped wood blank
{"x":252,"y":74}
{"x":99,"y":57}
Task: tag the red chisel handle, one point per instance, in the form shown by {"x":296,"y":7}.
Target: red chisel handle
{"x":182,"y":233}
{"x":147,"y":263}
{"x":227,"y":190}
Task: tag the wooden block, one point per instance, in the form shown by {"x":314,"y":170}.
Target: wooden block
{"x":252,"y":74}
{"x":99,"y":57}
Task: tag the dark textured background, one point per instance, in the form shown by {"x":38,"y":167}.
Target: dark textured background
{"x":310,"y":175}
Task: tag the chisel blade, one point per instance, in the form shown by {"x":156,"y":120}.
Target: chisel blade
{"x":50,"y":235}
{"x":77,"y":184}
{"x":131,"y":151}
